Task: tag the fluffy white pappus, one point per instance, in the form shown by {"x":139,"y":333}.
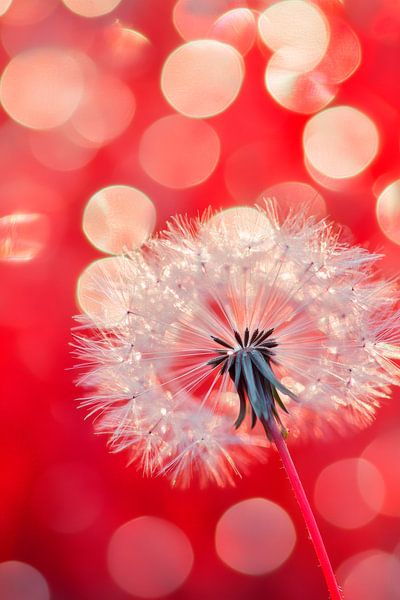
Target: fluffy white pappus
{"x":229,"y":320}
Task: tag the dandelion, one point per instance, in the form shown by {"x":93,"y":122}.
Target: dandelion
{"x":233,"y":326}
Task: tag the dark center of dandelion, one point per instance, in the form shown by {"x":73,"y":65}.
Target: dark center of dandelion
{"x":249,"y":367}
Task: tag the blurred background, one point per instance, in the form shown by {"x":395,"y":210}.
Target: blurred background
{"x":183,"y":104}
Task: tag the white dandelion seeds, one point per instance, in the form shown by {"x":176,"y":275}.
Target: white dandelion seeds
{"x":232,"y":323}
{"x":212,"y":311}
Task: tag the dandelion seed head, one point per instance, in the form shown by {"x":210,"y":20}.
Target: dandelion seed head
{"x":230,"y":320}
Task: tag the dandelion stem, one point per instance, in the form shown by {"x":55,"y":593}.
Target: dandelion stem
{"x":273,"y":432}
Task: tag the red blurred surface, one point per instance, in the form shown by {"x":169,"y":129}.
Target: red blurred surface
{"x":63,"y":495}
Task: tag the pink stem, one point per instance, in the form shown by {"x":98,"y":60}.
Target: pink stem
{"x":272,"y":430}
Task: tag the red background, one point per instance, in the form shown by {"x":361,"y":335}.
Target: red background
{"x":40,"y":426}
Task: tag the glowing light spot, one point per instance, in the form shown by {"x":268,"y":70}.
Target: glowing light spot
{"x":255,"y":536}
{"x":26,"y":12}
{"x":41,"y":88}
{"x":149,"y":557}
{"x":298,"y":30}
{"x":4,"y":6}
{"x":237,"y":27}
{"x":67,"y":498}
{"x":55,"y":32}
{"x":23,"y":236}
{"x":353,"y":479}
{"x":323,"y":180}
{"x":388,"y":211}
{"x":104,"y":115}
{"x":193,"y":19}
{"x":304,"y":93}
{"x":20,"y":581}
{"x":118,"y":218}
{"x":91,"y":8}
{"x":91,"y":297}
{"x":372,"y":575}
{"x":202,"y":78}
{"x":25,"y":195}
{"x":241,"y":221}
{"x":382,"y":182}
{"x":179,"y":152}
{"x":384,"y":454}
{"x":55,"y":150}
{"x":126,"y":48}
{"x":340,"y":142}
{"x":295,"y":195}
{"x":343,"y":55}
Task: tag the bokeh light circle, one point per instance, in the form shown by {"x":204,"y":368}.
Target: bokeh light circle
{"x":296,"y":196}
{"x":245,"y":222}
{"x":340,"y":142}
{"x":25,"y":194}
{"x":192,"y":19}
{"x":255,"y":536}
{"x":20,"y":13}
{"x":23,"y":236}
{"x":106,"y":110}
{"x":202,"y":78}
{"x":338,"y":185}
{"x":93,"y":299}
{"x":343,"y":55}
{"x":149,"y":557}
{"x":236,"y":27}
{"x":304,"y":93}
{"x":384,"y":454}
{"x":126,"y":48}
{"x":20,"y":581}
{"x":388,"y":211}
{"x":56,"y":150}
{"x":341,"y":491}
{"x":298,"y":30}
{"x":4,"y":6}
{"x":41,"y":88}
{"x":91,"y":8}
{"x":373,"y":575}
{"x":118,"y":218}
{"x":179,"y":152}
